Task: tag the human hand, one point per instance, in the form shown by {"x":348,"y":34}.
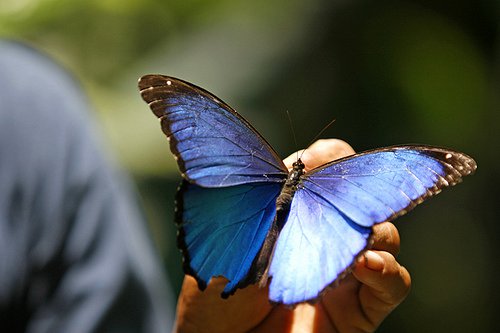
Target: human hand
{"x":359,"y":303}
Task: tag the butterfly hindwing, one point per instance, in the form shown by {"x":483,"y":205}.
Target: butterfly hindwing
{"x":214,"y":146}
{"x":314,"y":247}
{"x":336,"y":205}
{"x":221,"y":230}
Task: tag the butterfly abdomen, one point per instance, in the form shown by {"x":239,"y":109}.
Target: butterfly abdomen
{"x":259,"y":271}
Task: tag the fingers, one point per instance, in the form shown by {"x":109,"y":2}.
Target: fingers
{"x":378,"y":267}
{"x":321,"y":152}
{"x":385,"y":284}
{"x":388,"y":281}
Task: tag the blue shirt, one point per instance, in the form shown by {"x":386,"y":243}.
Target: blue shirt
{"x":74,"y":252}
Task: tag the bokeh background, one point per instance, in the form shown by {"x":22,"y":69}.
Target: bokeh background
{"x":389,"y":72}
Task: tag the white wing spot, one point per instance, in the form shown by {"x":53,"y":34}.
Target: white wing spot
{"x":169,"y":83}
{"x":448,"y":156}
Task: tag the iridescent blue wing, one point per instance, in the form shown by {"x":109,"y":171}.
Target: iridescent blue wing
{"x":232,"y":176}
{"x":214,"y":146}
{"x":222,"y":229}
{"x":336,"y":205}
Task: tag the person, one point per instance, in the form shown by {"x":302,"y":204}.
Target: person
{"x":74,"y":252}
{"x":377,"y":285}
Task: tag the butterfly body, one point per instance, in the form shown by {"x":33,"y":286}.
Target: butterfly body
{"x":242,"y":215}
{"x":291,"y":183}
{"x":288,"y":190}
{"x":260,"y":267}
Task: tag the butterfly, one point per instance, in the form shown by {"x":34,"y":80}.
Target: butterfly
{"x":241,"y":214}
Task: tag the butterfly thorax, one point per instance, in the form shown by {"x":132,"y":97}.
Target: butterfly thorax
{"x":285,"y":198}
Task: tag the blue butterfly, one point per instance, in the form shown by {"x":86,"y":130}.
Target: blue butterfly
{"x":242,"y":215}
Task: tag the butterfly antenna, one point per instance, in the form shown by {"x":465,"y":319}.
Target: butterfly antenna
{"x":318,"y":135}
{"x":293,"y":133}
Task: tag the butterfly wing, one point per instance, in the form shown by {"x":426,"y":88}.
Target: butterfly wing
{"x":336,"y":205}
{"x":226,"y":203}
{"x":314,"y":247}
{"x":214,"y":146}
{"x":222,"y":229}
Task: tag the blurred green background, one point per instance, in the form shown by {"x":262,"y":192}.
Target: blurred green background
{"x":389,"y":72}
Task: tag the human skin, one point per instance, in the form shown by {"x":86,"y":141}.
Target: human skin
{"x":359,"y":303}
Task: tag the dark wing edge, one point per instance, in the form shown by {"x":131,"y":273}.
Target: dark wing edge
{"x":181,"y":244}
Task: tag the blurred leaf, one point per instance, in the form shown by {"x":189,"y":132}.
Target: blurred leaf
{"x":436,"y":68}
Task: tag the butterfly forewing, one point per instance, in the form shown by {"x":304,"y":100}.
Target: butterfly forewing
{"x":214,"y":145}
{"x":384,"y":183}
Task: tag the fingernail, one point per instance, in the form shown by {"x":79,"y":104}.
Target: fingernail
{"x":373,"y":261}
